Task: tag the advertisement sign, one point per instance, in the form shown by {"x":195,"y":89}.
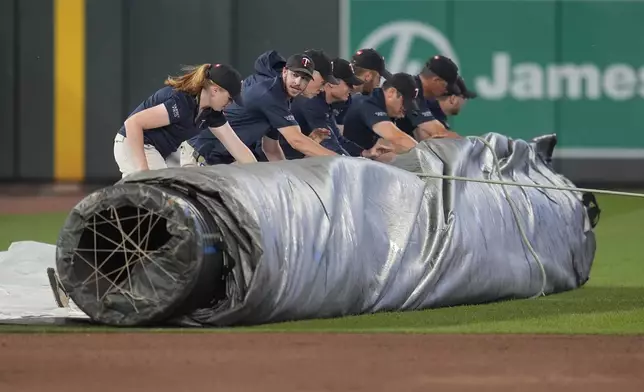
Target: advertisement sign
{"x":538,"y":66}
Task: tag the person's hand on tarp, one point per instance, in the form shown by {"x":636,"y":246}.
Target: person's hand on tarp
{"x":320,"y":134}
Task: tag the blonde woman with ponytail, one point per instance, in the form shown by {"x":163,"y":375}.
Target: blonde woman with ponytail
{"x":152,"y":134}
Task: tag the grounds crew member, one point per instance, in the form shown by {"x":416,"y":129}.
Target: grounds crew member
{"x":370,"y":118}
{"x":190,"y":103}
{"x":451,"y":103}
{"x":322,"y":76}
{"x":265,"y":115}
{"x":270,"y":64}
{"x":369,"y":66}
{"x":323,"y":73}
{"x":317,"y":112}
{"x":438,"y":73}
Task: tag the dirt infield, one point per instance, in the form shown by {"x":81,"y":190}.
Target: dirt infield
{"x":36,"y":199}
{"x":319,"y":362}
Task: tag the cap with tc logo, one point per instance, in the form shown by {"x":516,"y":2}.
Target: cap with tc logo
{"x":343,"y":70}
{"x":302,"y":64}
{"x":322,"y":64}
{"x":406,"y":86}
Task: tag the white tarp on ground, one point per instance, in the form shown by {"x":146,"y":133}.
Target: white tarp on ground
{"x":24,"y":286}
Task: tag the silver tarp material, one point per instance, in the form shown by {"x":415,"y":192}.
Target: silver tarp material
{"x":324,"y":237}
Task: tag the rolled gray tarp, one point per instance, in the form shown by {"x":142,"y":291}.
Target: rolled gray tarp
{"x":335,"y":236}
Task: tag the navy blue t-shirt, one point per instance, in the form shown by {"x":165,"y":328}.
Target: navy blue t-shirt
{"x":364,"y":112}
{"x":340,"y":108}
{"x":266,"y":108}
{"x":412,"y":120}
{"x":182,"y":111}
{"x":313,"y":113}
{"x":438,"y":113}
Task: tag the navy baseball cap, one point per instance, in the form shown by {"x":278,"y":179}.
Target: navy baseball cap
{"x":406,"y":86}
{"x":343,"y":70}
{"x":227,"y":78}
{"x":460,"y":89}
{"x":452,"y":89}
{"x":463,"y":90}
{"x":301,"y":64}
{"x":443,"y":67}
{"x":372,"y":60}
{"x":322,"y":65}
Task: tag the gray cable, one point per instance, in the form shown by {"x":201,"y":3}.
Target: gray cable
{"x":519,"y":184}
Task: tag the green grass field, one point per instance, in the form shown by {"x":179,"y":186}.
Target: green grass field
{"x":611,"y":303}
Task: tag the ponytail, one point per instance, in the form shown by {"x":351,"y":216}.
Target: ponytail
{"x":192,"y":81}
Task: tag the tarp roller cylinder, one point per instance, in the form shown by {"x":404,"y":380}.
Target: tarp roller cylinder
{"x":135,"y":254}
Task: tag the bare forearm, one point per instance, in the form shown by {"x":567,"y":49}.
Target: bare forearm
{"x":234,"y":145}
{"x":274,"y":155}
{"x":402,"y":144}
{"x":426,"y":133}
{"x":134,"y":142}
{"x":242,"y":154}
{"x":397,"y":139}
{"x":302,"y":143}
{"x":429,"y":130}
{"x":310,"y":148}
